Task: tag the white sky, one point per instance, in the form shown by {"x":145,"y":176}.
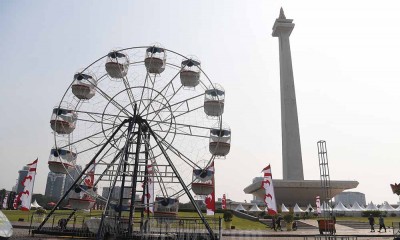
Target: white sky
{"x":346,"y":70}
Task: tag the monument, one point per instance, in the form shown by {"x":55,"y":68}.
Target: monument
{"x":292,"y":188}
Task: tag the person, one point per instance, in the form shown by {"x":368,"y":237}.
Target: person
{"x":371,"y":222}
{"x":381,"y":223}
{"x":273,"y":223}
{"x":294,"y":226}
{"x":278,"y":223}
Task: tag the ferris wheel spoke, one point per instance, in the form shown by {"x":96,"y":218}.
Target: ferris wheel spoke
{"x":130,"y":94}
{"x":180,"y":155}
{"x":141,"y":95}
{"x":175,"y":104}
{"x":180,"y":127}
{"x":99,"y":117}
{"x":112,"y":101}
{"x":162,"y":90}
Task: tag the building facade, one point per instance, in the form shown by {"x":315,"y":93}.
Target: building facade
{"x":21,"y":175}
{"x":349,"y":198}
{"x":55,"y":185}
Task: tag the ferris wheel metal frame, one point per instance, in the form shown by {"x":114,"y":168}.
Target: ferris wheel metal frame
{"x":141,"y":129}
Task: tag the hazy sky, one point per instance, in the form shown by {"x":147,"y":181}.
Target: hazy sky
{"x":346,"y":70}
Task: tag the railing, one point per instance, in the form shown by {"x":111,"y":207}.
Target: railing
{"x":152,"y":228}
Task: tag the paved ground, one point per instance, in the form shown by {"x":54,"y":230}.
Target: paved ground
{"x":342,"y":232}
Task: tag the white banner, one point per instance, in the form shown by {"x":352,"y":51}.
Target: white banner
{"x":5,"y":200}
{"x":148,"y":193}
{"x":318,"y":203}
{"x":25,"y":196}
{"x":269,"y":197}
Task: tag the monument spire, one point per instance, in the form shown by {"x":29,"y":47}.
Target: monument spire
{"x":291,"y":147}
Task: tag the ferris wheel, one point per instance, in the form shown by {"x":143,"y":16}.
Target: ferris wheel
{"x":136,"y":116}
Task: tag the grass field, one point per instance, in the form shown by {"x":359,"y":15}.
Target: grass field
{"x":239,"y":223}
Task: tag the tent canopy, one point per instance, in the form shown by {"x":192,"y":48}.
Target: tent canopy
{"x":371,"y":206}
{"x":255,"y":208}
{"x":35,"y":205}
{"x":340,"y":207}
{"x":284,"y":208}
{"x":356,"y":207}
{"x":297,"y":209}
{"x":386,"y":207}
{"x":240,"y":208}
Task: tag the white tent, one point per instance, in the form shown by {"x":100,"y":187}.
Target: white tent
{"x":386,"y":207}
{"x":284,"y":209}
{"x":310,"y":207}
{"x":297,"y":209}
{"x":340,"y":208}
{"x":255,"y":208}
{"x":371,"y":206}
{"x":240,"y":208}
{"x":35,"y":205}
{"x":356,"y":207}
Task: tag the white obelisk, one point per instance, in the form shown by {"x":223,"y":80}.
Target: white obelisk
{"x":291,"y":148}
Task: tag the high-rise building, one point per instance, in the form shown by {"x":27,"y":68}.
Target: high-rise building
{"x":55,"y":185}
{"x":21,"y":175}
{"x":73,"y":175}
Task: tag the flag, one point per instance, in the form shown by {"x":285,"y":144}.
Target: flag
{"x":223,"y":204}
{"x":210,"y":199}
{"x":89,"y":178}
{"x":318,"y":203}
{"x":5,"y":200}
{"x":148,"y":193}
{"x":25,"y":196}
{"x":269,"y":197}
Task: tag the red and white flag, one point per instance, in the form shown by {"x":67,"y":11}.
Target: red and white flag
{"x":223,"y":204}
{"x":210,"y":199}
{"x":269,"y":197}
{"x":148,"y":193}
{"x":25,"y":196}
{"x":318,"y":203}
{"x":89,"y":178}
{"x":5,"y":201}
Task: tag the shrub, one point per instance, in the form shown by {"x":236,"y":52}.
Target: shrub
{"x":227,"y":216}
{"x":375,"y":213}
{"x":41,"y":211}
{"x":288,"y":218}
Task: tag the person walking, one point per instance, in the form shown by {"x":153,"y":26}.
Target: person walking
{"x":371,"y":222}
{"x":278,"y":223}
{"x":273,"y":223}
{"x":381,"y":223}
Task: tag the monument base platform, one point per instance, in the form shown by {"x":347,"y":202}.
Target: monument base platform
{"x":302,"y":192}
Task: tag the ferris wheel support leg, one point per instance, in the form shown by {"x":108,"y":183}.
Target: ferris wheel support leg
{"x":135,"y":175}
{"x":210,"y":231}
{"x":81,"y":174}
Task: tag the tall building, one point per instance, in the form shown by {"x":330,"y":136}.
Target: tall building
{"x":55,"y":185}
{"x":70,"y":179}
{"x":349,"y":198}
{"x":21,"y":175}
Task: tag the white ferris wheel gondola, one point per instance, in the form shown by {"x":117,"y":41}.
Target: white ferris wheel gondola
{"x":61,"y":160}
{"x":203,"y":181}
{"x":155,"y":59}
{"x":84,"y":86}
{"x":190,"y":73}
{"x":166,"y":207}
{"x":220,"y":140}
{"x":63,"y":120}
{"x":214,"y":100}
{"x":117,"y":64}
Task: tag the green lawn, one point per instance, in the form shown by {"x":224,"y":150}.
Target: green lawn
{"x":239,"y":223}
